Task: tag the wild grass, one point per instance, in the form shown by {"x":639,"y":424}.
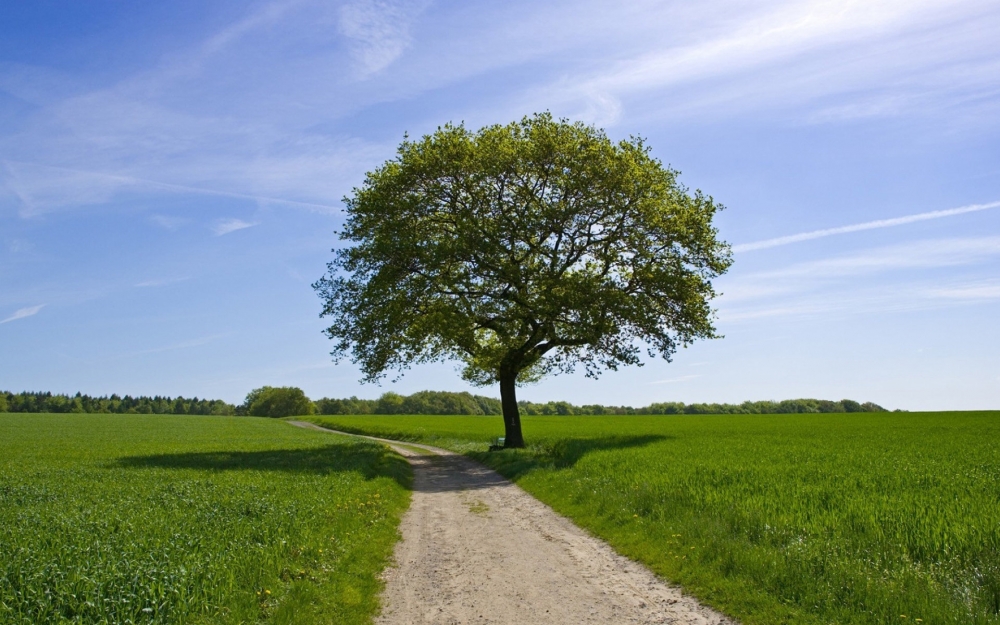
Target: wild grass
{"x":817,"y":519}
{"x":176,"y":519}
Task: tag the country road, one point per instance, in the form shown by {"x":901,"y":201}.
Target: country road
{"x":476,"y":549}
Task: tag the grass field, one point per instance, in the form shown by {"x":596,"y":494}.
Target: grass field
{"x":163,"y":519}
{"x":817,"y":519}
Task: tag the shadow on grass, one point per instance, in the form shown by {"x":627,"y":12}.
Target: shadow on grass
{"x":437,"y":474}
{"x":559,"y":454}
{"x":370,"y":460}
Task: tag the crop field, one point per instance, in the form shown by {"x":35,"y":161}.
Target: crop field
{"x":816,"y":519}
{"x":191,"y":519}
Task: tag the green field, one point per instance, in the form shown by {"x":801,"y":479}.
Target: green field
{"x":842,"y":518}
{"x":164,"y":519}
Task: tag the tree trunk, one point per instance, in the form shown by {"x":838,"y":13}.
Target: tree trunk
{"x":511,"y":415}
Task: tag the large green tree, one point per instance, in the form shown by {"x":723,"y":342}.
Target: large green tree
{"x":278,"y":401}
{"x":521,"y":250}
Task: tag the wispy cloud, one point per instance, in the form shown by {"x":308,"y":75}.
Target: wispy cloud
{"x":874,"y":299}
{"x":218,"y":117}
{"x":24,"y":312}
{"x":787,"y":29}
{"x":161,"y":282}
{"x":967,"y":292}
{"x":814,"y":307}
{"x":188,"y":344}
{"x":18,"y":246}
{"x":181,"y":345}
{"x":683,"y":378}
{"x":265,"y":16}
{"x":892,"y":278}
{"x":837,"y":58}
{"x":927,"y":253}
{"x":800,"y":278}
{"x":868,"y":225}
{"x":221,"y":117}
{"x":42,"y":188}
{"x":168,"y":223}
{"x":225,"y":226}
{"x":379,"y":31}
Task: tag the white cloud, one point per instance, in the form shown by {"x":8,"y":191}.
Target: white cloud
{"x":160,"y":282}
{"x":265,"y":16}
{"x":197,"y":342}
{"x":246,"y":112}
{"x":872,"y":299}
{"x":968,"y":292}
{"x":868,"y":225}
{"x":918,"y":254}
{"x":683,"y":378}
{"x":379,"y":30}
{"x":230,"y":115}
{"x":787,"y":30}
{"x":866,"y":107}
{"x":225,"y":226}
{"x":45,"y":188}
{"x":840,"y":59}
{"x":800,"y":278}
{"x":599,"y":108}
{"x":220,"y":117}
{"x":24,"y":312}
{"x":19,"y":246}
{"x":892,"y":278}
{"x":789,"y":310}
{"x":167,"y":222}
{"x":40,"y":188}
{"x":182,"y":345}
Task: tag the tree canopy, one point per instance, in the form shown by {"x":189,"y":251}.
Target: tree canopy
{"x":521,"y":250}
{"x":280,"y":401}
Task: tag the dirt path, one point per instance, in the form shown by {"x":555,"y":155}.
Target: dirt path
{"x":478,"y":549}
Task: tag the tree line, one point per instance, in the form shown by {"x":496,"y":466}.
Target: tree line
{"x":285,"y":401}
{"x":445,"y":403}
{"x":114,"y":404}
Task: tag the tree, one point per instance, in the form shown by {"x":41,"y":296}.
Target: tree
{"x":389,"y":403}
{"x":851,"y":406}
{"x":281,"y":401}
{"x":521,"y":250}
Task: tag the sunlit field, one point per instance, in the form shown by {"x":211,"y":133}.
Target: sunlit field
{"x":164,"y":519}
{"x":842,"y":518}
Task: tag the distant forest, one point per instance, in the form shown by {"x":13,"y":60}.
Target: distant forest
{"x":47,"y":402}
{"x":424,"y":402}
{"x":443,"y":403}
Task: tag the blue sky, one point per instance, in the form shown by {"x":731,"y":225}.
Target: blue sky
{"x":171,"y":176}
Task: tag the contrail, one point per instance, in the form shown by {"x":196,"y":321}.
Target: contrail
{"x":24,"y":312}
{"x":868,"y":225}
